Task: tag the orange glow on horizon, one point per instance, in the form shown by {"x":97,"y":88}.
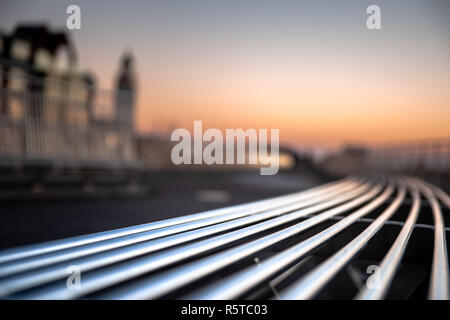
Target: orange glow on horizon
{"x":325,"y":108}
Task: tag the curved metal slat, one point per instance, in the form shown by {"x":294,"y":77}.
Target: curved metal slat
{"x":34,"y":262}
{"x":43,"y":275}
{"x":156,"y":286}
{"x":240,"y":283}
{"x":199,"y":245}
{"x":105,"y":277}
{"x":316,"y":279}
{"x":391,"y":261}
{"x":439,"y":193}
{"x":439,"y":286}
{"x":50,"y":246}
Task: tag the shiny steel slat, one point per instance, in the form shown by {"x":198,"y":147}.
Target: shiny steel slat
{"x":309,"y":285}
{"x":156,"y":286}
{"x":439,"y":286}
{"x":46,"y":247}
{"x":240,"y":283}
{"x":439,"y":193}
{"x":102,"y":278}
{"x":54,"y":272}
{"x":92,"y":248}
{"x":391,"y":261}
{"x":131,"y":263}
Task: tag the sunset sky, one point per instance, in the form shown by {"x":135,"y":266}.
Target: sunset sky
{"x":310,"y":68}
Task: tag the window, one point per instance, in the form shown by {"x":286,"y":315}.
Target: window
{"x":43,"y":59}
{"x":20,"y":50}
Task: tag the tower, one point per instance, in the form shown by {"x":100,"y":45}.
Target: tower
{"x":125,"y":99}
{"x":125,"y":87}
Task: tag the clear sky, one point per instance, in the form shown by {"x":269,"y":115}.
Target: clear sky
{"x":310,"y":68}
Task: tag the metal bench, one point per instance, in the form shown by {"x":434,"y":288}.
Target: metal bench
{"x":362,"y":237}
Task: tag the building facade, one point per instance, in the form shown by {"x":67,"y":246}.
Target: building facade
{"x":50,"y":111}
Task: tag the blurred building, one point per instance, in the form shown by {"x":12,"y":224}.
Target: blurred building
{"x":50,"y":111}
{"x":351,"y":159}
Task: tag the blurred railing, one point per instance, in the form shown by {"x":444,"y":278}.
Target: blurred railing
{"x":429,"y":158}
{"x":43,"y":119}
